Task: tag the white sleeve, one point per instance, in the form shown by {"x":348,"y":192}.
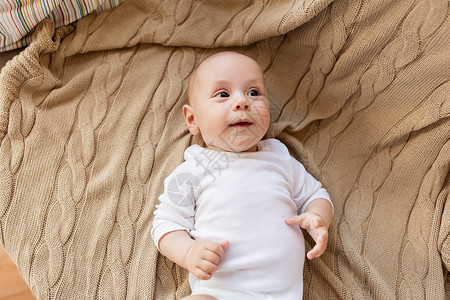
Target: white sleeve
{"x":306,"y":187}
{"x":177,"y":204}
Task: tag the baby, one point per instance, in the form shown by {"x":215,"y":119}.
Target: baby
{"x":230,"y":214}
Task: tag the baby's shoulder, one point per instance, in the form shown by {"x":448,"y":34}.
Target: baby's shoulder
{"x":273,"y":146}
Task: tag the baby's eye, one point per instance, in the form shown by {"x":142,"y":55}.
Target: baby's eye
{"x":253,"y":93}
{"x":223,"y":95}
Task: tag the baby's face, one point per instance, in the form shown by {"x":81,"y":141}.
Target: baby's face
{"x":229,"y":104}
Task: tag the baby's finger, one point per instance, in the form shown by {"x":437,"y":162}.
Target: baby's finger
{"x":317,"y":251}
{"x":211,"y":257}
{"x":224,"y":244}
{"x":296,"y":220}
{"x":200,"y":274}
{"x":207,"y":267}
{"x":215,"y":247}
{"x":321,"y":240}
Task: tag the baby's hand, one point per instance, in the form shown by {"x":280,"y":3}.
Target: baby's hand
{"x":314,"y":224}
{"x":203,"y":257}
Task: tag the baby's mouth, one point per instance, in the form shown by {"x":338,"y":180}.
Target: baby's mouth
{"x":242,"y":123}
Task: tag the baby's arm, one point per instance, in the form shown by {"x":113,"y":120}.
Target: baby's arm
{"x":316,"y":219}
{"x":200,"y":258}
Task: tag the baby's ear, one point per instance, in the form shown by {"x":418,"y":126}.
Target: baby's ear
{"x":189,"y":117}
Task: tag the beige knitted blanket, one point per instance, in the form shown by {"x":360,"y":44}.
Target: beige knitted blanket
{"x":91,"y":124}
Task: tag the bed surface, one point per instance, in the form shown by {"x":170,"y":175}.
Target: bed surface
{"x":91,"y":124}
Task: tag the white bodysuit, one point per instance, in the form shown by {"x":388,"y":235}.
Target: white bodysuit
{"x":243,"y":198}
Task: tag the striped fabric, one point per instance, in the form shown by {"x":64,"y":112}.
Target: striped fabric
{"x":19,"y":17}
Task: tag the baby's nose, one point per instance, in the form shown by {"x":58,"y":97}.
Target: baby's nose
{"x":241,"y":104}
{"x":239,"y":107}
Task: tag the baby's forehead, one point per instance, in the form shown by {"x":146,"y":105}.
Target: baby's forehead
{"x":221,"y":60}
{"x":224,"y":62}
{"x":226,"y":58}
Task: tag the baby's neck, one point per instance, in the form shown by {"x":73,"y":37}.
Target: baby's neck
{"x":251,"y":149}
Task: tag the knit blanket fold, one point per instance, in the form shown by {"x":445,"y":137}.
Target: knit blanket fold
{"x":91,"y":123}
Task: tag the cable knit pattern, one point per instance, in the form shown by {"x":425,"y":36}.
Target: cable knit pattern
{"x":91,"y":123}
